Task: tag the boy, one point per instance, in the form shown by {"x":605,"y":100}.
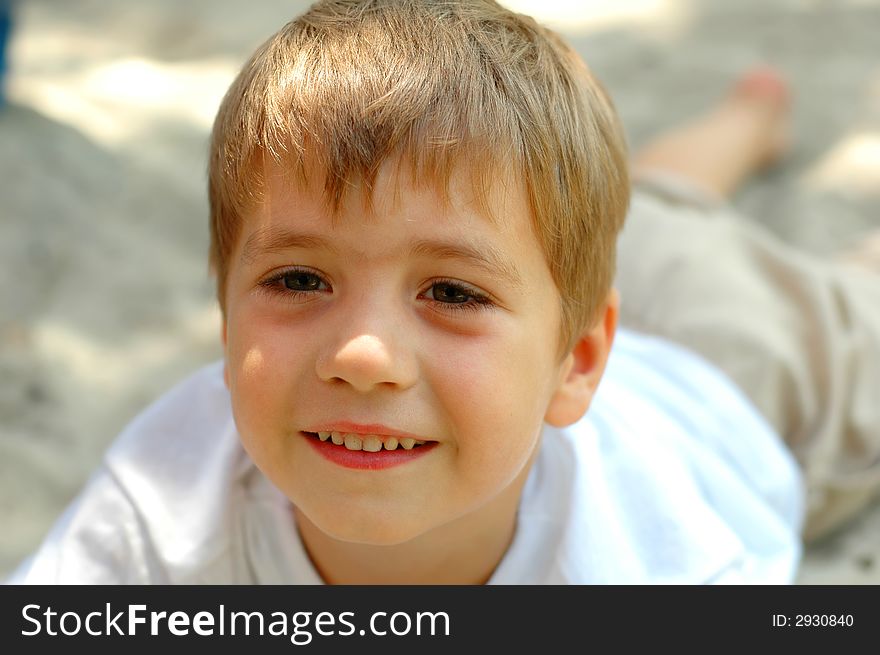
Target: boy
{"x":414,"y":214}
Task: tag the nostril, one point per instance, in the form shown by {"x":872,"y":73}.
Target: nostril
{"x":366,"y":363}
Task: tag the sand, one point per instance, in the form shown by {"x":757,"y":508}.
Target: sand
{"x":105,"y":298}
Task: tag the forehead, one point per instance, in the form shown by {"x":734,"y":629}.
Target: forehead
{"x":465,"y":185}
{"x":468,"y":217}
{"x":468,"y":197}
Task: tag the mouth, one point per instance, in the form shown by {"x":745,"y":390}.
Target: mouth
{"x":371,"y":443}
{"x":367,"y":451}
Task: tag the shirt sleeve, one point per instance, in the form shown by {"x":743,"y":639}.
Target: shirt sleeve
{"x":99,"y":539}
{"x":705,"y":488}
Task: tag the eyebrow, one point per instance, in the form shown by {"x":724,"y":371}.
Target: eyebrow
{"x":269,"y":240}
{"x":482,"y":255}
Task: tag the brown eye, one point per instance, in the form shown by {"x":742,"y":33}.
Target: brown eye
{"x":449,"y":293}
{"x":301,"y":281}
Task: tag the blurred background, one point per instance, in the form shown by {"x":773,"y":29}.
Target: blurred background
{"x":105,"y":299}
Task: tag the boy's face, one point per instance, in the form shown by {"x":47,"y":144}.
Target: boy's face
{"x":416,"y":319}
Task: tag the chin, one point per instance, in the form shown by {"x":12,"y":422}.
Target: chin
{"x":380,"y":529}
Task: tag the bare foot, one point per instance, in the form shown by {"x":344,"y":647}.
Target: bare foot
{"x":865,"y":253}
{"x":744,"y":133}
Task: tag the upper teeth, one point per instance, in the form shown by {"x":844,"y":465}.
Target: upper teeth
{"x":369,"y":442}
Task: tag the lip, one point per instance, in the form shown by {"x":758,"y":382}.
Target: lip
{"x":363,"y":428}
{"x":365,"y":460}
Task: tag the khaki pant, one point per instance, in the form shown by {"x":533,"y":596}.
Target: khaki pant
{"x":800,"y":335}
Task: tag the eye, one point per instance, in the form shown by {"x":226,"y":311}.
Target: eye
{"x":448,"y":293}
{"x":452,"y":295}
{"x":297,"y":280}
{"x":296,"y":283}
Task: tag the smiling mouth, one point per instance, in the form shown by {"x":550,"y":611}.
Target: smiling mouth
{"x":368,"y":442}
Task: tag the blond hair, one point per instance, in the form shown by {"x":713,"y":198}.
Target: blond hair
{"x":351,"y":83}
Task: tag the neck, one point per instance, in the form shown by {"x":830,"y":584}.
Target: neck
{"x":464,"y":551}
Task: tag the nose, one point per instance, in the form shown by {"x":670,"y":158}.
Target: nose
{"x":369,"y":357}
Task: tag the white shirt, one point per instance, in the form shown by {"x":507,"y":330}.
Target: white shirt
{"x":671,"y":477}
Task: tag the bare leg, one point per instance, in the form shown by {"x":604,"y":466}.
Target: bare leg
{"x":717,"y":152}
{"x":744,"y":133}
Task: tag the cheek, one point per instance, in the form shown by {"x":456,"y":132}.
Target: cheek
{"x":265,"y":360}
{"x":265,"y":345}
{"x":495,"y":394}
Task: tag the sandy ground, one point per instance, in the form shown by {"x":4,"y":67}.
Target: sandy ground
{"x":104,"y":294}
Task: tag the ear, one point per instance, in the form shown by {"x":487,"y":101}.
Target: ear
{"x":583,"y":367}
{"x":225,"y":357}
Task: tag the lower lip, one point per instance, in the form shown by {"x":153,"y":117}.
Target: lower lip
{"x":364,"y":459}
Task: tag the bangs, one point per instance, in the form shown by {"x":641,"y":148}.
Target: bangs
{"x":330,"y":106}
